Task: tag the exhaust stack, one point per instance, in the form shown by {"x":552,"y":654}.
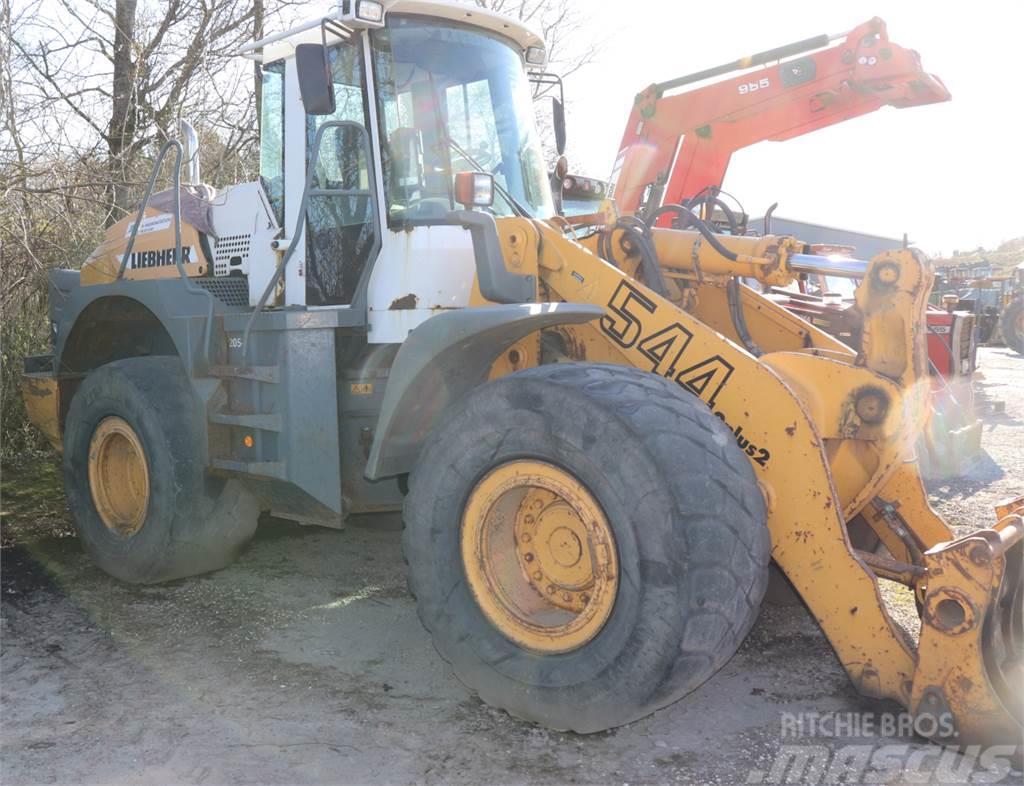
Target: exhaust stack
{"x":191,"y":141}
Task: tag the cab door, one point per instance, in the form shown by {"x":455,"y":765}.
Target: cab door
{"x":342,"y":235}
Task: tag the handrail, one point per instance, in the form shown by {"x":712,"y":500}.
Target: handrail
{"x":145,"y":201}
{"x":189,"y":286}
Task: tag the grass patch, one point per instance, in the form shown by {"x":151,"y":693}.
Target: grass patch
{"x":32,"y":503}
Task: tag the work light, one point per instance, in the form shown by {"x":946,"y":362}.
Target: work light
{"x":362,"y":13}
{"x":536,"y":56}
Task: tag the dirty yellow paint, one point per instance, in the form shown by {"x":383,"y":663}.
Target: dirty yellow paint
{"x":41,"y":394}
{"x":103,"y":264}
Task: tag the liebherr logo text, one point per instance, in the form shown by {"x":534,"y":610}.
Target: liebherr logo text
{"x":664,"y":349}
{"x":165,"y":256}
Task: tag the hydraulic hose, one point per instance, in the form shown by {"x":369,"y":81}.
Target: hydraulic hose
{"x":739,"y":322}
{"x":715,"y":201}
{"x":692,"y":220}
{"x":637,"y":233}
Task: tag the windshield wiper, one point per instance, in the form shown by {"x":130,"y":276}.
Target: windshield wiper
{"x":516,"y":207}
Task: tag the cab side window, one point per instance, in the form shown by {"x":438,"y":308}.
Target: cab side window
{"x":272,"y":137}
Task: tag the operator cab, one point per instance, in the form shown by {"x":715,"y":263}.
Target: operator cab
{"x":428,"y":89}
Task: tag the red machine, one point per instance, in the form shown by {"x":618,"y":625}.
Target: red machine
{"x":675,"y":146}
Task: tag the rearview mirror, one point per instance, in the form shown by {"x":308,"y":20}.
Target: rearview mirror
{"x":558,"y":123}
{"x":315,"y":86}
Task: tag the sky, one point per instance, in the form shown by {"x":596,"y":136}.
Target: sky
{"x":950,"y":175}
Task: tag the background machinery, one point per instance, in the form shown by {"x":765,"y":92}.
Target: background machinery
{"x":996,"y":299}
{"x":676,"y":148}
{"x":599,"y":439}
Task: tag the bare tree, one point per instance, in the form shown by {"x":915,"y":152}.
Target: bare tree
{"x":124,"y":71}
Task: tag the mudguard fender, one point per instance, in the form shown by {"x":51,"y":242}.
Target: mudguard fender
{"x":441,"y":361}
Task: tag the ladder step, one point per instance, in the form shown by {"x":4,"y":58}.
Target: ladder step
{"x":260,"y":422}
{"x":257,"y":373}
{"x":267,"y":469}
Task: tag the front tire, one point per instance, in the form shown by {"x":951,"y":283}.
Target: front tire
{"x":136,"y":481}
{"x":642,"y":581}
{"x":1012,"y":324}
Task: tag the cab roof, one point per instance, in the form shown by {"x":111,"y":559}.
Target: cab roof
{"x":282,"y":45}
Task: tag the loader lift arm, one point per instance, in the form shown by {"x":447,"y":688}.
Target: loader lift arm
{"x":676,"y":145}
{"x":830,"y":434}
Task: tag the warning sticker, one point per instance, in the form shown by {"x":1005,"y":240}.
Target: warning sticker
{"x":151,"y":224}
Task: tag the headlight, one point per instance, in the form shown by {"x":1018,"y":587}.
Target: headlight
{"x":536,"y":56}
{"x":474,"y":189}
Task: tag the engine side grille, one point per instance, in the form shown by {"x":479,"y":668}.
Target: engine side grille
{"x":230,"y":290}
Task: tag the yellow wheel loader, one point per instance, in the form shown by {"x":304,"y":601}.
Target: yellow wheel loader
{"x":599,"y":438}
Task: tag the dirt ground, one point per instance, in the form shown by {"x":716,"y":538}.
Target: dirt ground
{"x":305,"y":663}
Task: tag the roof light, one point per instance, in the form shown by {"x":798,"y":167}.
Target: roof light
{"x":370,"y":11}
{"x":536,"y":56}
{"x":362,"y":13}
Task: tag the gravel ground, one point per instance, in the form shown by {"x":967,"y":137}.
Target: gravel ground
{"x":304,"y":663}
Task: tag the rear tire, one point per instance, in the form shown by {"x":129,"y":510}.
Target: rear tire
{"x":167,"y":519}
{"x":1012,"y":324}
{"x":688,"y":525}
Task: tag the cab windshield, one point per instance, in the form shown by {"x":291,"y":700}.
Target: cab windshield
{"x":454,"y":99}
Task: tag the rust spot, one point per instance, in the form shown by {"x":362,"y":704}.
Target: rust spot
{"x":404,"y":303}
{"x":853,"y":610}
{"x":791,"y":430}
{"x":828,"y":503}
{"x":965,"y":684}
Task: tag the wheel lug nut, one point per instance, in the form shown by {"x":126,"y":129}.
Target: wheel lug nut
{"x":528,"y":557}
{"x":526,"y":537}
{"x":585,"y":598}
{"x":566,"y":596}
{"x":551,"y":589}
{"x":538,"y":575}
{"x":528,"y":519}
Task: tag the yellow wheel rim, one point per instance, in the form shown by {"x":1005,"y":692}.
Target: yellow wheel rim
{"x":118,"y":476}
{"x":539,"y":556}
